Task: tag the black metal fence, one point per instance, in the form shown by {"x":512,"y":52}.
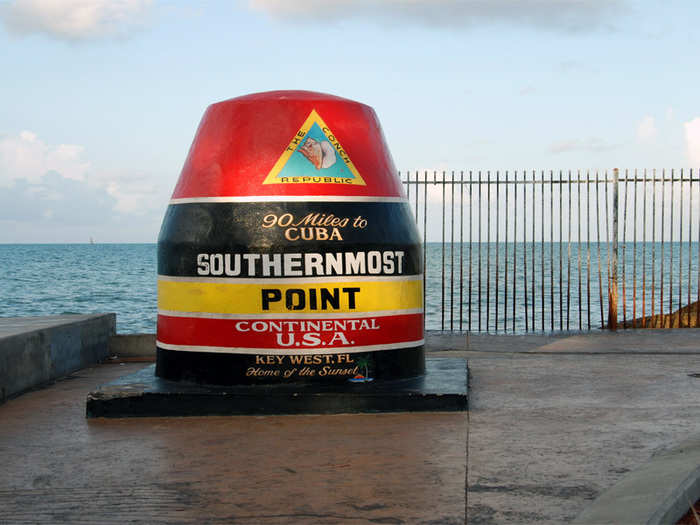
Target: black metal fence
{"x":566,"y":250}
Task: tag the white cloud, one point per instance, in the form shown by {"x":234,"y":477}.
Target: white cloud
{"x":567,"y":66}
{"x":26,"y":161}
{"x":56,"y":209}
{"x":74,"y":19}
{"x":27,"y":157}
{"x":593,"y":144}
{"x":136,"y":196}
{"x":692,"y":141}
{"x":646,"y":129}
{"x":567,"y":15}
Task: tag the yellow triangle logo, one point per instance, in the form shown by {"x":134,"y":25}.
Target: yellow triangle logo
{"x":314,"y":156}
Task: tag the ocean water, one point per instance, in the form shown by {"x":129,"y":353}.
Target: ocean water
{"x":554,"y":286}
{"x":52,"y":279}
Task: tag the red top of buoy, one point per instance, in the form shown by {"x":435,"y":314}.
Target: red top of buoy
{"x":288,"y":143}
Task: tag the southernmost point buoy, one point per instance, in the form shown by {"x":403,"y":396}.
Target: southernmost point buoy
{"x":290,"y":277}
{"x":288,"y":253}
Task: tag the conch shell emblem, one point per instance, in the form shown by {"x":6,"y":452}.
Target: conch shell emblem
{"x":319,"y":153}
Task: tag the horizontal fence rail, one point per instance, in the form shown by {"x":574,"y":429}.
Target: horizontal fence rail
{"x":519,"y":251}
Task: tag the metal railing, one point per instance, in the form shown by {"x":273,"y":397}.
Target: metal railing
{"x":566,"y":250}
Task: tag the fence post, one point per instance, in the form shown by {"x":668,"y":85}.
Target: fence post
{"x":612,"y":285}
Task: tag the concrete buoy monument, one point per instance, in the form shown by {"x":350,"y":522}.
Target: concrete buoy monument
{"x":289,"y":265}
{"x":288,"y":252}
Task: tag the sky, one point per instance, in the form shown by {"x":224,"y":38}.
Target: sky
{"x":100,"y":99}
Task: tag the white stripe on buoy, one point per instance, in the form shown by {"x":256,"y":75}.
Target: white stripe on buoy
{"x":294,"y":316}
{"x":287,"y":198}
{"x":296,"y":351}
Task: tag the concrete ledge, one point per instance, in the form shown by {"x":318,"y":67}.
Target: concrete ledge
{"x":144,"y":345}
{"x":659,"y":492}
{"x":37,"y":350}
{"x":630,"y":341}
{"x":133,"y":345}
{"x":435,"y":340}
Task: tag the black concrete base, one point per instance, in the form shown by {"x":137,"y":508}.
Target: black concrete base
{"x":443,"y":388}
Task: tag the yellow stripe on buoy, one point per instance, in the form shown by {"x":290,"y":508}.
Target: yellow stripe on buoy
{"x":275,"y":298}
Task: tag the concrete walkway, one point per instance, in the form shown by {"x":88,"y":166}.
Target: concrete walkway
{"x":554,"y":422}
{"x":59,"y":467}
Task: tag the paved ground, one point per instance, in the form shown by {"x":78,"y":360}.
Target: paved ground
{"x":58,"y":467}
{"x":554,"y":421}
{"x":548,"y":435}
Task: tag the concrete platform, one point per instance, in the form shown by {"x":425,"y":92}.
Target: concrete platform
{"x":443,"y":388}
{"x":555,"y":422}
